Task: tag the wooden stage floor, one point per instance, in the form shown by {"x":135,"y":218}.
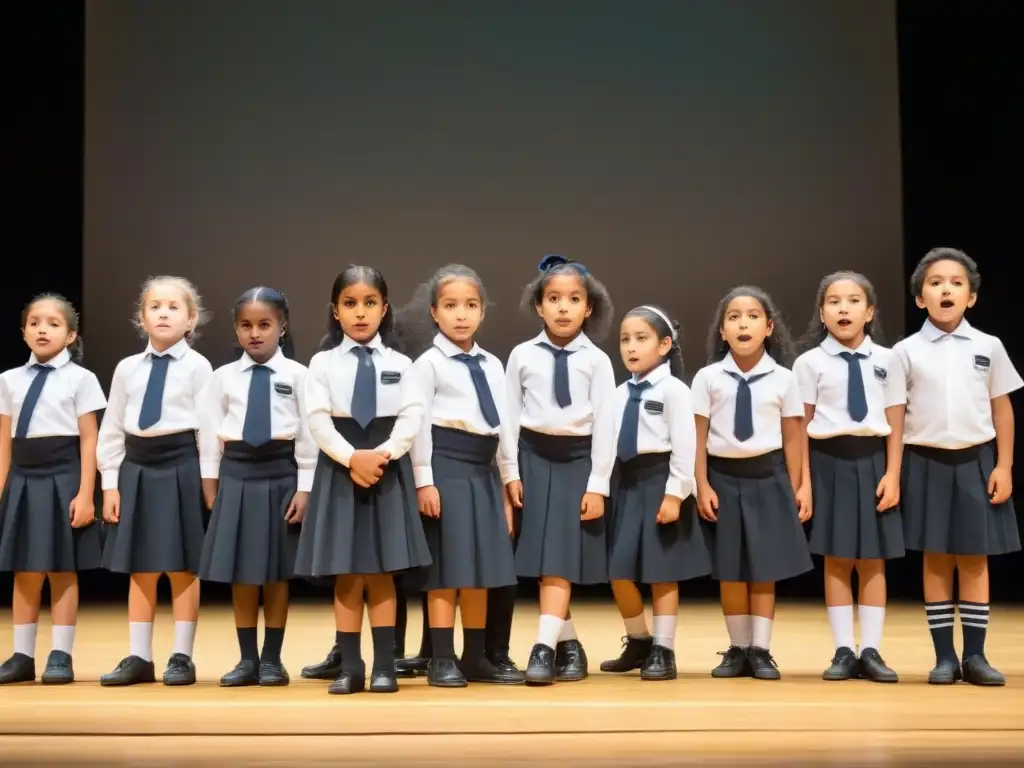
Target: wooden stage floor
{"x":603,"y":721}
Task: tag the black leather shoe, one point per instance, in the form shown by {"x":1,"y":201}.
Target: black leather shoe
{"x":18,"y":669}
{"x":873,"y":668}
{"x":131,"y":670}
{"x":328,"y":669}
{"x":59,"y":669}
{"x":180,"y":670}
{"x":735,"y":663}
{"x":570,"y":662}
{"x":762,"y":665}
{"x":540,"y":669}
{"x":504,"y":664}
{"x":483,"y":671}
{"x":945,"y":672}
{"x":844,"y":665}
{"x":660,"y":665}
{"x":347,"y":682}
{"x":273,"y":674}
{"x":445,"y":673}
{"x":977,"y":671}
{"x":383,"y":682}
{"x":635,"y":651}
{"x":414,"y":666}
{"x":245,"y":673}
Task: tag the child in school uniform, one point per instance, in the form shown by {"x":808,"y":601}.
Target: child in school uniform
{"x":257,"y":459}
{"x":958,"y":455}
{"x":149,"y":467}
{"x":560,"y":391}
{"x":48,"y":475}
{"x":467,"y":515}
{"x":749,"y":466}
{"x":851,"y":473}
{"x":656,"y":536}
{"x":362,"y":524}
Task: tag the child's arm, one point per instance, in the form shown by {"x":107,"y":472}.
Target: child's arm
{"x":306,"y":449}
{"x":602,"y":452}
{"x":1000,"y":482}
{"x":794,"y":441}
{"x":211,"y":405}
{"x":110,"y":441}
{"x":507,"y":457}
{"x":807,"y":383}
{"x":421,"y":453}
{"x":511,"y":417}
{"x":707,"y":499}
{"x":83,"y":506}
{"x":412,"y":409}
{"x":318,"y":413}
{"x":5,"y":449}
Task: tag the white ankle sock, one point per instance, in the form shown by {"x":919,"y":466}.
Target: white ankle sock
{"x":637,"y":626}
{"x":63,"y":638}
{"x":140,"y":639}
{"x":740,"y":630}
{"x":25,"y":639}
{"x":184,"y":637}
{"x":665,"y":631}
{"x":872,"y":619}
{"x":840,"y":619}
{"x":761,"y":632}
{"x":549,"y":630}
{"x":568,"y":632}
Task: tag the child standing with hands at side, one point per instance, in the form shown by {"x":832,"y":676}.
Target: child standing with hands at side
{"x":749,"y":467}
{"x":257,"y":459}
{"x":149,"y":465}
{"x":958,"y":457}
{"x":48,"y":476}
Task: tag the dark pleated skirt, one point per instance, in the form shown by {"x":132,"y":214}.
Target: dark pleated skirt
{"x":352,"y":530}
{"x":845,"y":471}
{"x":758,"y":536}
{"x":248,"y":540}
{"x":640,"y":548}
{"x":469,"y":542}
{"x":162,"y":523}
{"x":555,"y":470}
{"x":35,"y":521}
{"x":946,"y":506}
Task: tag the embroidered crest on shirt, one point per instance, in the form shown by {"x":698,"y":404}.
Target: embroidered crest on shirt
{"x":654,"y":406}
{"x":880,"y":373}
{"x":982,"y":363}
{"x":284,"y":390}
{"x":390,"y":377}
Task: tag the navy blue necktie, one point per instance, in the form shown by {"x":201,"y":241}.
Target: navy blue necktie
{"x":483,"y":389}
{"x":31,"y":398}
{"x":562,"y":394}
{"x":153,"y":400}
{"x":630,"y":429}
{"x":856,"y":397}
{"x":256,"y":429}
{"x":743,"y":423}
{"x":364,"y":391}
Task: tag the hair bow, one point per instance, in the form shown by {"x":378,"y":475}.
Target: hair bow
{"x":553,"y":260}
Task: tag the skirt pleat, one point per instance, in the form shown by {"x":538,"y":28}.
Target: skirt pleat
{"x":640,"y":548}
{"x":946,"y":506}
{"x":553,"y":541}
{"x":845,"y":473}
{"x":758,"y":536}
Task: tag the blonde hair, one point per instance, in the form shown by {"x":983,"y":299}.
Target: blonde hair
{"x":196,"y":311}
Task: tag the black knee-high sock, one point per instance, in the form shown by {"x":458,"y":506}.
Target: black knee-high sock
{"x":501,"y":604}
{"x":426,"y":639}
{"x":351,"y":653}
{"x":443,"y":642}
{"x":473,"y":642}
{"x":974,"y":623}
{"x":337,"y":640}
{"x":248,"y":644}
{"x":401,"y":619}
{"x":940,"y":622}
{"x":383,"y":649}
{"x":273,"y":640}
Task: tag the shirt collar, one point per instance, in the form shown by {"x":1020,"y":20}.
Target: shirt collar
{"x":579,"y":342}
{"x":765,"y":365}
{"x":59,"y":360}
{"x":177,"y":351}
{"x":448,"y":347}
{"x":375,"y":344}
{"x":832,"y":346}
{"x":656,"y":376}
{"x":247,"y":363}
{"x":933,"y":333}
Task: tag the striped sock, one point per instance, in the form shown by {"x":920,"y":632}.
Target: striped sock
{"x":974,"y":622}
{"x":940,"y":622}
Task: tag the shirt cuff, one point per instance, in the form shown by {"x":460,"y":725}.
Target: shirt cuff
{"x":509,"y":473}
{"x":342,"y":454}
{"x":108,"y":479}
{"x":209,"y":470}
{"x":599,"y":484}
{"x":423,"y":476}
{"x":305,"y":480}
{"x":678,"y":488}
